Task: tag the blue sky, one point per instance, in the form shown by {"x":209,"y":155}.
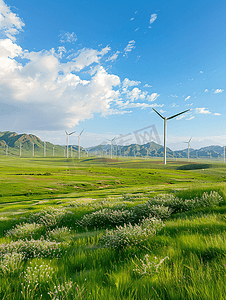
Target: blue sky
{"x":103,"y":65}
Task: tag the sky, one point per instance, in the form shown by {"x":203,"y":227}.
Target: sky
{"x":102,"y":66}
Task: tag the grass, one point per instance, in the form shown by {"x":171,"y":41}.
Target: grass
{"x":69,"y":262}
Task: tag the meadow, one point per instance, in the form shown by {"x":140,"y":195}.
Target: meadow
{"x":97,"y":228}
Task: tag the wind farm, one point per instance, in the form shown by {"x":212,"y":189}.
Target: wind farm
{"x":112,"y":150}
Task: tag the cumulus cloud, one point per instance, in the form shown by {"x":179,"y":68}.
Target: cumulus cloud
{"x":129,"y":47}
{"x":10,"y":23}
{"x":202,"y":110}
{"x":188,"y":97}
{"x":136,"y":94}
{"x":126,"y":83}
{"x":41,"y":91}
{"x":67,"y":37}
{"x":147,"y":85}
{"x":206,"y":90}
{"x":218,"y":91}
{"x":152,"y":97}
{"x":153,"y":18}
{"x":217,"y":114}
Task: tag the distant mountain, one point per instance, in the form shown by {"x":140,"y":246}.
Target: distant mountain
{"x":10,"y":141}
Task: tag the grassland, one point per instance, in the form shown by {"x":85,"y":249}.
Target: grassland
{"x":55,"y":212}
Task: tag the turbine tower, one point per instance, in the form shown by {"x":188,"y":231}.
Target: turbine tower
{"x":67,"y":139}
{"x":188,"y":147}
{"x":165,"y":121}
{"x":79,"y":136}
{"x":111,"y":145}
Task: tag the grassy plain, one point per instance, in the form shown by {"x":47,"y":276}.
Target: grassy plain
{"x":193,"y":240}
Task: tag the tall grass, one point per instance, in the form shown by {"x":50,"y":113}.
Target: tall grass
{"x":186,"y":259}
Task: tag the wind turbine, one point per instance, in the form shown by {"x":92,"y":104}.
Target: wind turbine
{"x":67,"y":139}
{"x":79,"y":136}
{"x":188,"y":147}
{"x":111,"y":145}
{"x":165,"y":121}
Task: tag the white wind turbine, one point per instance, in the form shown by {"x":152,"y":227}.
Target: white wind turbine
{"x":111,"y":145}
{"x":67,"y":139}
{"x":165,"y":121}
{"x":79,"y":136}
{"x":188,"y":147}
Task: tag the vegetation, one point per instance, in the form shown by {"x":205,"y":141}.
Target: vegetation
{"x":106,"y":229}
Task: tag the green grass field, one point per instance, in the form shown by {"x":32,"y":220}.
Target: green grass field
{"x":125,"y":228}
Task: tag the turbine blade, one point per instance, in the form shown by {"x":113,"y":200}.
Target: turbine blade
{"x":72,"y":132}
{"x":66,"y":132}
{"x":113,"y":139}
{"x":190,"y":140}
{"x":158,"y":113}
{"x":178,"y":114}
{"x":81,"y":132}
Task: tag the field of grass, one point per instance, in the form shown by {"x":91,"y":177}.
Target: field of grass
{"x":97,"y":228}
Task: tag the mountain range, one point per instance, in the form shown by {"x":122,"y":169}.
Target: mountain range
{"x":10,"y":143}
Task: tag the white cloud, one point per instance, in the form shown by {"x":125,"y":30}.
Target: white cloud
{"x":129,"y":47}
{"x":67,"y":37}
{"x":188,"y":97}
{"x":201,"y":72}
{"x":140,"y":105}
{"x":147,"y":85}
{"x":126,"y":83}
{"x":189,"y":104}
{"x":48,"y":97}
{"x":131,"y":19}
{"x":44,"y":92}
{"x":136,"y":29}
{"x":180,"y":117}
{"x":84,"y":58}
{"x":174,"y":96}
{"x":113,"y":56}
{"x":174,"y":105}
{"x":188,"y":119}
{"x":206,"y":90}
{"x":136,"y":94}
{"x":202,"y":110}
{"x":153,"y":18}
{"x":217,"y":91}
{"x":152,"y":97}
{"x":10,"y":23}
{"x":118,"y":112}
{"x":217,"y":114}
